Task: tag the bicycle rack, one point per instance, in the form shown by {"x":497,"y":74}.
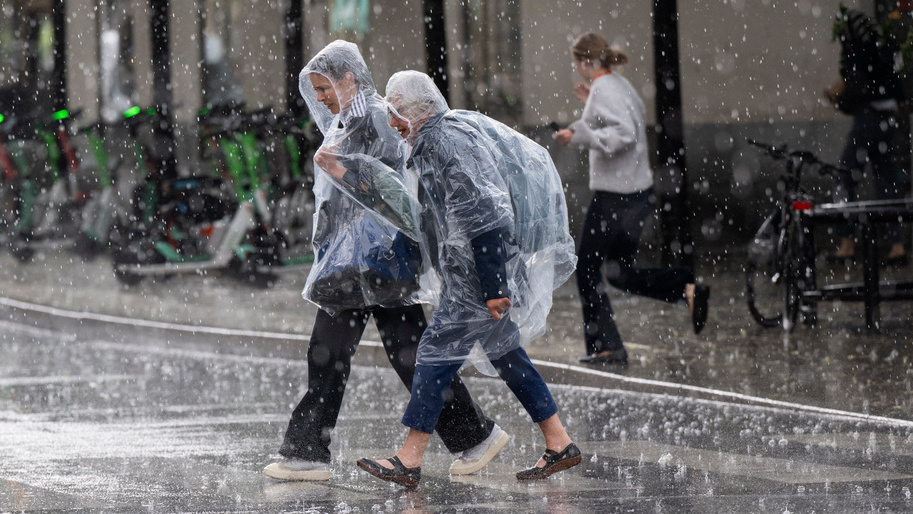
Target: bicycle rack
{"x":868,"y":215}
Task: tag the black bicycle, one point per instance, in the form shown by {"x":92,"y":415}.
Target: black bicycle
{"x":781,"y":257}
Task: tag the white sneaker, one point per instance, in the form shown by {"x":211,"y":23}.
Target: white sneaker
{"x":298,"y":469}
{"x":481,"y":454}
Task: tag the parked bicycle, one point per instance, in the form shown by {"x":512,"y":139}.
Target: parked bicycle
{"x":13,"y":136}
{"x":113,"y":206}
{"x":45,"y":198}
{"x":223,"y":220}
{"x":292,"y":197}
{"x":780,"y":266}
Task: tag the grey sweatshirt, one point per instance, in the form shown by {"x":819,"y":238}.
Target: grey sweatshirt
{"x":613,"y":128}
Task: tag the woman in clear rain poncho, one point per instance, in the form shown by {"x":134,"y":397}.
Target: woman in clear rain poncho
{"x":366,"y":263}
{"x":495,"y":210}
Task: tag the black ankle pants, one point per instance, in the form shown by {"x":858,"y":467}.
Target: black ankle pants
{"x":334,"y":340}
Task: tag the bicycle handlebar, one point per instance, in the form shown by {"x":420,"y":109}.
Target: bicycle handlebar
{"x":804,"y":157}
{"x":220,"y":124}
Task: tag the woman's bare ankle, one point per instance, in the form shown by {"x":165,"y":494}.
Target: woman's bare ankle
{"x":689,"y":296}
{"x":408,"y":460}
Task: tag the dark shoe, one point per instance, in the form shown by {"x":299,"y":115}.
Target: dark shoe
{"x":619,"y":356}
{"x":400,"y":474}
{"x":701,"y":306}
{"x":554,"y":462}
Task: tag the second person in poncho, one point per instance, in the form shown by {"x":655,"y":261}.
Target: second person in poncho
{"x":475,"y":216}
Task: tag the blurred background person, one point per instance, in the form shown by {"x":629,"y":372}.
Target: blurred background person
{"x":869,"y":90}
{"x":613,"y":128}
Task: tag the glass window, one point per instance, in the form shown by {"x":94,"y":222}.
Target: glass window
{"x":116,"y":58}
{"x":221,"y":85}
{"x":489,"y":73}
{"x":26,"y":57}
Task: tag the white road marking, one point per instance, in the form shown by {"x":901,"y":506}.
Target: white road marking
{"x":766,"y":468}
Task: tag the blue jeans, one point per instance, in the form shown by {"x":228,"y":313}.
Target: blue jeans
{"x":430,"y":390}
{"x":871,"y":140}
{"x":611,"y":235}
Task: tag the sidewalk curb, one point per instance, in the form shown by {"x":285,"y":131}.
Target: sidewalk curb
{"x":261,"y":344}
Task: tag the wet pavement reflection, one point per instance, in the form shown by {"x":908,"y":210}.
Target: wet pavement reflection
{"x":171,"y":396}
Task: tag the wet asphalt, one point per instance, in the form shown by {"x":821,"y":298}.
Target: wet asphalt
{"x":171,"y":395}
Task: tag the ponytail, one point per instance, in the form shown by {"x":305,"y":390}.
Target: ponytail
{"x":593,"y":47}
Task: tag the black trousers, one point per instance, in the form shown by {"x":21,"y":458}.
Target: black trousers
{"x":611,"y":235}
{"x":334,"y":340}
{"x":871,"y":140}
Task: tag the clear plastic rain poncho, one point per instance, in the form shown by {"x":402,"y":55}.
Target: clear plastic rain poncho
{"x":478,"y":175}
{"x":365,"y":237}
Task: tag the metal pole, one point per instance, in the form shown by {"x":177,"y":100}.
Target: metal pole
{"x":672,"y":174}
{"x":294,"y":56}
{"x":59,"y":90}
{"x":436,"y":44}
{"x":162,"y":96}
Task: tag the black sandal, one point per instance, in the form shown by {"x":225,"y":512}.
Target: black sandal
{"x":554,"y":462}
{"x":400,"y":474}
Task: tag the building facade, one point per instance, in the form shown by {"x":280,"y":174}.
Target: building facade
{"x":748,"y":69}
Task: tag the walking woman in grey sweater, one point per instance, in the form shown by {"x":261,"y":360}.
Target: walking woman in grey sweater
{"x":613,"y":128}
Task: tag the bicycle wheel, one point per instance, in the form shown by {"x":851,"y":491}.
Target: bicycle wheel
{"x":8,"y":208}
{"x":793,"y":267}
{"x":293,"y":218}
{"x":764,"y":273}
{"x":801,"y":275}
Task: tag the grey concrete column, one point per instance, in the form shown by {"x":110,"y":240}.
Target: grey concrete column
{"x":142,"y":47}
{"x":186,"y":82}
{"x":82,"y":58}
{"x":261,"y":57}
{"x":186,"y":71}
